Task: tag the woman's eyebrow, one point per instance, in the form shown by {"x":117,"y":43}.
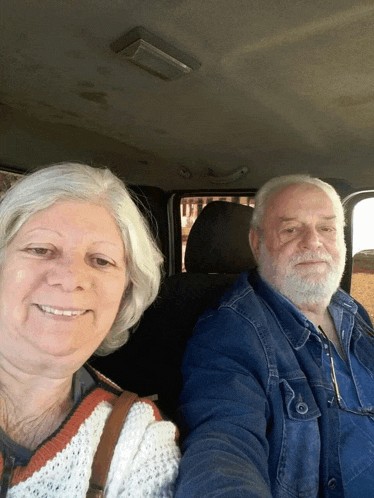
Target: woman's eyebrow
{"x":44,"y":229}
{"x":108,"y":242}
{"x":58,"y":233}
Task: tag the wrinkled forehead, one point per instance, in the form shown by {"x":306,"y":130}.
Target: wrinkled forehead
{"x":298,"y":201}
{"x":70,"y":217}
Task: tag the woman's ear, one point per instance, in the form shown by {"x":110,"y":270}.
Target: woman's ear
{"x":255,"y":241}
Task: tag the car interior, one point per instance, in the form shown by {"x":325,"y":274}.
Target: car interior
{"x":194,"y":104}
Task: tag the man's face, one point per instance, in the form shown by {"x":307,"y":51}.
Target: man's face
{"x":300,"y":249}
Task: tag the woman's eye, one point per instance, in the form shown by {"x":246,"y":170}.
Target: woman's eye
{"x":103,"y":262}
{"x":38,"y":251}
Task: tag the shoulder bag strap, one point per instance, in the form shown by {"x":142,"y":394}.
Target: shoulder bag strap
{"x":108,"y":441}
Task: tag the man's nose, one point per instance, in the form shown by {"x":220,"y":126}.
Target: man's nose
{"x":70,"y":275}
{"x":311,"y":238}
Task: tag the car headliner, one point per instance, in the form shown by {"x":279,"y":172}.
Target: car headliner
{"x":283,"y":87}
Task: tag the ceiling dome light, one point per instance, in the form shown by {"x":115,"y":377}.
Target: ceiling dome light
{"x":154,"y":55}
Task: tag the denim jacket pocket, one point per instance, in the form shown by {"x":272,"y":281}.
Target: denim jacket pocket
{"x":298,"y":467}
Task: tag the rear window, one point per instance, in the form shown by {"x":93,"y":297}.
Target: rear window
{"x":191,"y":207}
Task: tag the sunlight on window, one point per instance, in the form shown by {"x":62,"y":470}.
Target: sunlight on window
{"x":363,"y":233}
{"x":362,"y":285}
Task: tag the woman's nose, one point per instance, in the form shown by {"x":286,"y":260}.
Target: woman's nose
{"x":70,"y":275}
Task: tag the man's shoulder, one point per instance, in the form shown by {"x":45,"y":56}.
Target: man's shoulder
{"x":243,"y":301}
{"x":342,"y":299}
{"x":242,"y":293}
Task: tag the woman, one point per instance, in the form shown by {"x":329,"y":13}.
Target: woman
{"x":78,"y":268}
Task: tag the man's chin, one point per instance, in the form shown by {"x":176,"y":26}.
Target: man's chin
{"x":302,"y":283}
{"x":315,"y":271}
{"x":312,"y":280}
{"x":309,"y":290}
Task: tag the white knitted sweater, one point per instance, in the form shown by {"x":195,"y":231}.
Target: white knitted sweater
{"x":145,"y":460}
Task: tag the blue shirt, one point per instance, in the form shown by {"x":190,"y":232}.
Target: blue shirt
{"x":356,"y":386}
{"x":258,"y":402}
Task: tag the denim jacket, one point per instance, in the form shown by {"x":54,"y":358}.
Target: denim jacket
{"x":262,"y":413}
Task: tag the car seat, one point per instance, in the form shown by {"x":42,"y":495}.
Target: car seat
{"x":217,"y":252}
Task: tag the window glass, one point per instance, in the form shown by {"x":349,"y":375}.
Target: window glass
{"x":362,"y":284}
{"x":191,"y":207}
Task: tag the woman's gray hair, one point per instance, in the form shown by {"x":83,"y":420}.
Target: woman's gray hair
{"x":82,"y":183}
{"x":280,"y":182}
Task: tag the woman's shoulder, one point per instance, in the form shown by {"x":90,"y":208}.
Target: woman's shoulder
{"x":145,"y":417}
{"x":146,"y":458}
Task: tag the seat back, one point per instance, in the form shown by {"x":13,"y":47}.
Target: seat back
{"x":219,"y":240}
{"x":150,"y":361}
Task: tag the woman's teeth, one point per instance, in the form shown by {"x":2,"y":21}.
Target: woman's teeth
{"x":54,"y":311}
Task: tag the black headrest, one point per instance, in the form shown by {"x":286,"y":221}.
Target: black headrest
{"x":219,"y":239}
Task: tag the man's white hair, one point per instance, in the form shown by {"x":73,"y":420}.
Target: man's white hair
{"x":280,"y":182}
{"x":298,"y":289}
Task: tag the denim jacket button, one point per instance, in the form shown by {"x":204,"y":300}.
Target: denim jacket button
{"x":331,"y":484}
{"x":302,"y":408}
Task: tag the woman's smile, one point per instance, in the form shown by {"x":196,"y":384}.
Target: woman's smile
{"x":69,"y":262}
{"x":65,"y":312}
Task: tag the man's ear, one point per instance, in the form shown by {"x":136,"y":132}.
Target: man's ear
{"x":255,"y":241}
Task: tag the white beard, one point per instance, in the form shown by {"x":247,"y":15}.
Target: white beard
{"x":304,"y":286}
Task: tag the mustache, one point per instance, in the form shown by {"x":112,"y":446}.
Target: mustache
{"x":311,"y":256}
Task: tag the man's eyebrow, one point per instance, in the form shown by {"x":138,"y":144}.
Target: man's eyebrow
{"x":285,"y":219}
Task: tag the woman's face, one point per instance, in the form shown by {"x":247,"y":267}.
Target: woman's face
{"x":61,"y":285}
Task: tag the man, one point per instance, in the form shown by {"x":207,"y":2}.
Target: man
{"x":279,"y":379}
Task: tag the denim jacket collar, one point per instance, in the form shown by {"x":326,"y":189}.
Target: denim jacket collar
{"x":291,"y":319}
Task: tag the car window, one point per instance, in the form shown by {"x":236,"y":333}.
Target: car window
{"x":362,"y":283}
